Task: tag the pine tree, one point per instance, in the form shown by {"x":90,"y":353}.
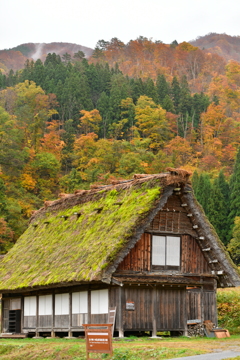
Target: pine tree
{"x":195,"y":181}
{"x":150,"y":90}
{"x":176,"y":94}
{"x":103,"y":107}
{"x":167,"y":104}
{"x":234,"y":244}
{"x":162,"y":88}
{"x":217,"y":211}
{"x":137,"y":89}
{"x":234,"y":193}
{"x":203,"y":191}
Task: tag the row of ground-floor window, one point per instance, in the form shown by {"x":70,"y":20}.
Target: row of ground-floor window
{"x":138,"y":308}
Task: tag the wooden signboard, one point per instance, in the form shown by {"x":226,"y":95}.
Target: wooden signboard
{"x":98,"y":339}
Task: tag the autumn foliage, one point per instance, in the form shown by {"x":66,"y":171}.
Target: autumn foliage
{"x":140,"y":107}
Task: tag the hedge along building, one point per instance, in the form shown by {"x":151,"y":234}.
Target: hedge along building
{"x":143,"y":246}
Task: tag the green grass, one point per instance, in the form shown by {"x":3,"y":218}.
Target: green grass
{"x":46,"y":349}
{"x":124,"y":349}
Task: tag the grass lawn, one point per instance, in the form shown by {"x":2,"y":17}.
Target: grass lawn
{"x":124,"y":349}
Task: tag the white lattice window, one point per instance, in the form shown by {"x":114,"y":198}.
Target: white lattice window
{"x":45,"y":305}
{"x":166,"y":252}
{"x":62,"y":304}
{"x":80,"y":302}
{"x":99,"y":301}
{"x":30,"y":306}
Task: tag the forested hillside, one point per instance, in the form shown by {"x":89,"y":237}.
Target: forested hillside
{"x":68,"y":123}
{"x":221,"y":44}
{"x":15,"y":58}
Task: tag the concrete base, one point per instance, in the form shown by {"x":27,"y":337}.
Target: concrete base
{"x":121,"y":333}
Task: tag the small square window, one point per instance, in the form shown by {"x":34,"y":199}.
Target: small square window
{"x":166,"y":252}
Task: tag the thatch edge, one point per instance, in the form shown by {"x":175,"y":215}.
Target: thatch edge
{"x":208,"y":231}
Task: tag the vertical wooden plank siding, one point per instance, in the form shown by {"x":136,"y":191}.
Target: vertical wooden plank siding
{"x":170,"y":309}
{"x":172,"y":218}
{"x":138,"y":259}
{"x":193,"y":260}
{"x":115,"y":299}
{"x":141,"y":317}
{"x":193,"y":304}
{"x":210,"y":306}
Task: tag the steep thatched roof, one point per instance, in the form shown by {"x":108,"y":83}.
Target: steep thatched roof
{"x":82,"y":237}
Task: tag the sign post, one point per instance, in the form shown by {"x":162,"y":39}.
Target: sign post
{"x":98,"y":339}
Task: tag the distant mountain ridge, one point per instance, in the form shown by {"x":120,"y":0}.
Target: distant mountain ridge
{"x":16,"y":57}
{"x":223,"y":45}
{"x":226,"y":46}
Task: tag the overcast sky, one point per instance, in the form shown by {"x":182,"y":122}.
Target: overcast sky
{"x":84,"y":22}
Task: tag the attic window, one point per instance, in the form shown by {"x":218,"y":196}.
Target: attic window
{"x":166,"y":252}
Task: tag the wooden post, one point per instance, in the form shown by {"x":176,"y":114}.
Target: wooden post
{"x":202,"y":305}
{"x":37,"y":320}
{"x":22,"y":317}
{"x":89,"y":306}
{"x":154,"y":312}
{"x":1,"y":315}
{"x":53,"y":315}
{"x":70,"y":316}
{"x":185,"y":332}
{"x":215,"y":303}
{"x":120,"y":312}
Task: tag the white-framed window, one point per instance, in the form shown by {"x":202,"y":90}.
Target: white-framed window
{"x":30,"y":306}
{"x":45,"y":305}
{"x":62,"y":304}
{"x":99,"y":301}
{"x":80,"y":302}
{"x":166,"y":251}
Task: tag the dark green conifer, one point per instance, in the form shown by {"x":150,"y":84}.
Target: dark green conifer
{"x":204,"y":191}
{"x":217,"y":211}
{"x":195,"y":181}
{"x":162,"y":88}
{"x":150,"y":90}
{"x":176,"y":94}
{"x":234,"y":186}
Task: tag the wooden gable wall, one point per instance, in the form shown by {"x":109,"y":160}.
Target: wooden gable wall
{"x":172,"y":219}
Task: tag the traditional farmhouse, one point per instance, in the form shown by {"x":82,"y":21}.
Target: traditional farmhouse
{"x":142,"y":246}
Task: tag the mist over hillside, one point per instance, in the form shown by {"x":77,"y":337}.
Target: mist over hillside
{"x":15,"y":58}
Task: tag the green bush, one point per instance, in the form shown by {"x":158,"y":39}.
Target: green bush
{"x":229,"y":310}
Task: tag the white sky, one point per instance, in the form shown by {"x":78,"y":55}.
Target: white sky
{"x":84,"y":22}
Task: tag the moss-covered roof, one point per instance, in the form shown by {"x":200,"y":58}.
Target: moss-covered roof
{"x":82,"y":236}
{"x":76,"y":238}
